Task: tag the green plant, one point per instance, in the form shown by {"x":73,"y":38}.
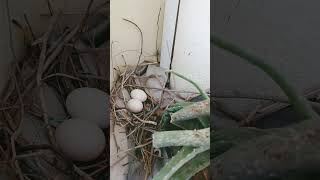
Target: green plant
{"x":194,"y":145}
{"x":282,"y":152}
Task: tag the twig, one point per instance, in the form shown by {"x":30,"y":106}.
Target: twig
{"x":93,"y":77}
{"x":59,"y":48}
{"x":118,"y":161}
{"x":55,"y":44}
{"x":144,"y":121}
{"x":62,"y":75}
{"x":50,"y":7}
{"x":163,"y":89}
{"x":98,"y":170}
{"x":251,"y":116}
{"x":17,"y":132}
{"x":141,"y":46}
{"x":40,"y":70}
{"x":68,"y":37}
{"x":29,"y":26}
{"x":10,"y":31}
{"x":85,"y":18}
{"x":94,"y":165}
{"x":82,"y":173}
{"x":136,"y":147}
{"x":157,"y":37}
{"x":29,"y":155}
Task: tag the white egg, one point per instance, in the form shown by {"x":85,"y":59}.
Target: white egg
{"x":139,"y":95}
{"x":134,"y":105}
{"x":90,"y":104}
{"x":80,"y":140}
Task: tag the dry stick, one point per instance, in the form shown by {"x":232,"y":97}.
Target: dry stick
{"x":84,"y":20}
{"x":10,"y":30}
{"x":10,"y":120}
{"x":98,"y":170}
{"x":144,"y":121}
{"x":50,"y":7}
{"x":19,"y":171}
{"x":141,"y":46}
{"x":244,"y":95}
{"x":118,"y":161}
{"x":251,"y":116}
{"x":59,"y":48}
{"x":94,"y":77}
{"x":17,"y":132}
{"x":280,"y":102}
{"x":62,"y":75}
{"x":82,"y":173}
{"x":163,"y":89}
{"x":40,"y":73}
{"x":23,"y":156}
{"x":94,"y":165}
{"x":113,"y":134}
{"x":157,"y":48}
{"x":68,"y":37}
{"x":4,"y":153}
{"x":134,"y":148}
{"x":57,"y":42}
{"x":29,"y":26}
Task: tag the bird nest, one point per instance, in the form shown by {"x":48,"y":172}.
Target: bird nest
{"x":63,"y":58}
{"x":140,"y":126}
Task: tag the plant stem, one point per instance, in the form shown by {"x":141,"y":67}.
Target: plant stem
{"x":298,"y":102}
{"x":193,"y":111}
{"x":194,"y":138}
{"x":202,"y":93}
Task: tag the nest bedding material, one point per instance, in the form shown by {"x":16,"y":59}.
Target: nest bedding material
{"x":61,"y":60}
{"x":144,"y":159}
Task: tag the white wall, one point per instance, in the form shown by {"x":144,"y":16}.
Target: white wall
{"x":125,"y":38}
{"x":192,"y":46}
{"x":169,"y":25}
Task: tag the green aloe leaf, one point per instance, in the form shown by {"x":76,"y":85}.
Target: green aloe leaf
{"x":187,"y":158}
{"x":191,"y":168}
{"x":166,"y":117}
{"x":198,"y":110}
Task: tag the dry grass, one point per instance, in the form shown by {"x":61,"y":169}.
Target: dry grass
{"x":57,"y":64}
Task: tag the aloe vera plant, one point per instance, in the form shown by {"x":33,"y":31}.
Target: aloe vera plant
{"x":194,"y":155}
{"x":185,"y":164}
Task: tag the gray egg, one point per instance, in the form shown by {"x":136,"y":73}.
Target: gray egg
{"x":80,"y":140}
{"x":90,"y":104}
